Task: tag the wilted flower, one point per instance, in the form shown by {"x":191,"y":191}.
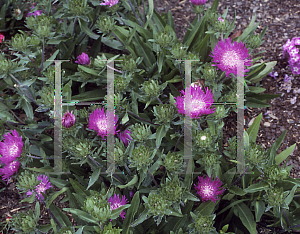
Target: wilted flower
{"x":1,"y":37}
{"x":200,"y":102}
{"x":125,"y":136}
{"x":198,"y":2}
{"x":42,"y":187}
{"x":68,"y":119}
{"x":209,"y":190}
{"x":35,"y":13}
{"x":115,"y":203}
{"x":9,"y":169}
{"x":109,"y":3}
{"x":228,"y":56}
{"x":11,"y":148}
{"x":98,"y":122}
{"x":83,"y":59}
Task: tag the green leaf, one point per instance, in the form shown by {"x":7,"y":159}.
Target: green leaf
{"x":27,"y":108}
{"x":231,"y":205}
{"x":246,"y":216}
{"x":264,"y":72}
{"x":150,"y":13}
{"x":255,"y":103}
{"x":290,"y":197}
{"x":140,"y":219}
{"x":236,"y":190}
{"x":55,"y":195}
{"x":272,"y":150}
{"x":79,"y":189}
{"x":260,"y":186}
{"x":189,"y":196}
{"x":284,"y":154}
{"x":82,"y":215}
{"x":253,"y":129}
{"x":131,"y":212}
{"x":130,"y":183}
{"x":259,"y":208}
{"x":61,"y":217}
{"x":41,"y":169}
{"x":88,"y":70}
{"x":170,"y":20}
{"x":144,"y":50}
{"x":256,"y":89}
{"x":90,"y":95}
{"x":206,"y":208}
{"x":115,"y":213}
{"x":160,"y":134}
{"x":29,"y":199}
{"x":94,"y":177}
{"x":48,"y":62}
{"x":84,"y":28}
{"x":202,"y":48}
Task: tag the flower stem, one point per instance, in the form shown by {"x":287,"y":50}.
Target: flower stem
{"x":129,"y":112}
{"x":43,"y":56}
{"x":159,"y":100}
{"x":135,"y":14}
{"x":177,"y":143}
{"x":50,"y":212}
{"x":120,"y":18}
{"x":31,"y":60}
{"x":238,"y":179}
{"x":152,"y":178}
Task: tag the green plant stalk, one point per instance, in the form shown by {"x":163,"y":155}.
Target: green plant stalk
{"x":156,"y":184}
{"x":36,"y":68}
{"x":135,"y":13}
{"x":43,"y":55}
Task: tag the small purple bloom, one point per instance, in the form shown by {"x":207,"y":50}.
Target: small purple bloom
{"x":198,"y":2}
{"x":293,"y":100}
{"x":287,"y":79}
{"x":11,"y":148}
{"x":125,"y":137}
{"x":228,"y":56}
{"x":296,"y":40}
{"x":131,"y":194}
{"x":294,"y":60}
{"x":35,"y":13}
{"x":220,"y":19}
{"x":68,"y":119}
{"x":287,"y":46}
{"x":296,"y":69}
{"x":268,"y":112}
{"x":209,"y":190}
{"x":9,"y":169}
{"x":41,"y":187}
{"x":98,"y":122}
{"x":273,"y":74}
{"x":83,"y":59}
{"x":109,"y":3}
{"x":200,"y":102}
{"x":115,"y":203}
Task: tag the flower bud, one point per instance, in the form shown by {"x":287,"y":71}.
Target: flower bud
{"x":179,"y":51}
{"x":100,"y":62}
{"x":157,"y":204}
{"x":108,"y":229}
{"x":172,"y":189}
{"x":68,"y":119}
{"x":202,"y":224}
{"x":211,"y":16}
{"x":121,"y":84}
{"x":78,"y":7}
{"x":204,"y":139}
{"x":256,"y":155}
{"x":140,"y":132}
{"x":198,"y":9}
{"x":164,"y":113}
{"x":166,"y":37}
{"x":83,"y":59}
{"x":27,"y":181}
{"x":173,"y":162}
{"x":140,"y":157}
{"x":221,"y":25}
{"x":18,"y":12}
{"x":6,"y":66}
{"x":97,"y":206}
{"x":232,"y":147}
{"x":105,"y":24}
{"x":274,"y":174}
{"x":128,"y":63}
{"x":119,"y":152}
{"x":209,"y":72}
{"x":23,"y":222}
{"x":66,"y":230}
{"x":254,"y":41}
{"x":151,"y":88}
{"x":209,"y":159}
{"x":82,"y":149}
{"x":47,"y":96}
{"x":275,"y":197}
{"x":220,"y":112}
{"x":18,"y":42}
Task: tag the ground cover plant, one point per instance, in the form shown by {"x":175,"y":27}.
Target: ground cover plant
{"x":148,"y":188}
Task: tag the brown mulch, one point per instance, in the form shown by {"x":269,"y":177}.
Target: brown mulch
{"x":282,"y":19}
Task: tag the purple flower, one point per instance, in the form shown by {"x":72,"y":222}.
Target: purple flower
{"x":11,"y":148}
{"x":41,"y":187}
{"x":109,"y":3}
{"x":294,"y":60}
{"x":68,"y":119}
{"x":115,"y":203}
{"x":296,"y":69}
{"x":288,"y":46}
{"x":228,"y":56}
{"x":287,"y":79}
{"x":200,"y":102}
{"x":220,"y":19}
{"x":98,"y":122}
{"x":198,"y":2}
{"x":293,"y":100}
{"x":9,"y":169}
{"x":125,"y":137}
{"x":35,"y":13}
{"x":83,"y":59}
{"x":296,"y":40}
{"x":131,"y":194}
{"x":273,"y":74}
{"x":209,"y":190}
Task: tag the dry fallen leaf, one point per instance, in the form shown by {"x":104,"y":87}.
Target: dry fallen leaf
{"x":236,"y":34}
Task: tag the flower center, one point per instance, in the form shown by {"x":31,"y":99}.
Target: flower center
{"x":230,"y":59}
{"x":207,"y":190}
{"x":101,"y":124}
{"x":13,"y":149}
{"x":197,"y":104}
